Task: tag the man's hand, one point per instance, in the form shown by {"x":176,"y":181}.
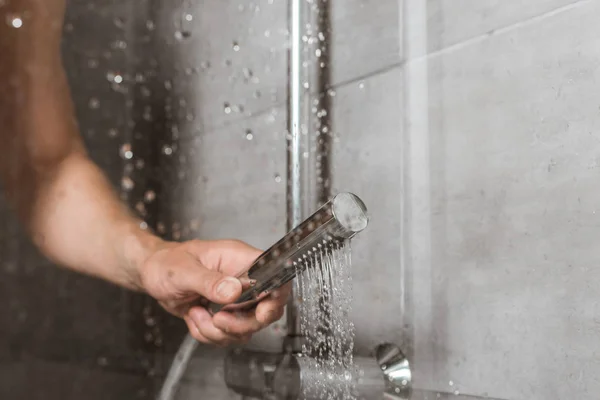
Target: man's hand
{"x":178,"y":274}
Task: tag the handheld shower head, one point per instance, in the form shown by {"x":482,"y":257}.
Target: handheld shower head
{"x":336,"y":221}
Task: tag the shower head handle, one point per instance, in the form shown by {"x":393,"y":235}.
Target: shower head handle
{"x":336,"y":221}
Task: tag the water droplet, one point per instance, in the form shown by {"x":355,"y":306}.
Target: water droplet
{"x":127,"y":183}
{"x":257,"y":94}
{"x":167,"y":150}
{"x":267,"y":33}
{"x":188,"y":17}
{"x":94,"y":103}
{"x":102,"y":361}
{"x":149,"y":196}
{"x":247,"y":73}
{"x":361,"y":85}
{"x":236,"y":46}
{"x":451,"y":383}
{"x":114,"y":77}
{"x":181,"y":35}
{"x":126,"y":152}
{"x":227,"y":108}
{"x":150,"y":25}
{"x":318,"y":52}
{"x":278,"y":178}
{"x":331,"y":92}
{"x":456,"y":392}
{"x":249,"y":134}
{"x":119,"y":44}
{"x":15,"y":22}
{"x":112,"y":132}
{"x":119,"y":22}
{"x":205,"y":65}
{"x":140,"y":208}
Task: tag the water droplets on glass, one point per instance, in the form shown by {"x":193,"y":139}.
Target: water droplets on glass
{"x":126,"y":152}
{"x":149,"y":196}
{"x":182,"y":35}
{"x":249,"y":134}
{"x":236,"y":46}
{"x":119,"y":22}
{"x":94,"y":103}
{"x":114,"y":77}
{"x":15,"y":21}
{"x":127,"y":183}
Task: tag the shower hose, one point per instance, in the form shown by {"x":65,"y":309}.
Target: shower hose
{"x":177,"y":369}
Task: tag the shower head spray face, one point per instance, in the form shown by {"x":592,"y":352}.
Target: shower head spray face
{"x":337,"y":221}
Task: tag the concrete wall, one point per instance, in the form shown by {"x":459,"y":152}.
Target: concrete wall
{"x":501,"y":150}
{"x":469,"y":129}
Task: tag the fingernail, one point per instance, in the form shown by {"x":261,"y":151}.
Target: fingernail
{"x":228,"y":287}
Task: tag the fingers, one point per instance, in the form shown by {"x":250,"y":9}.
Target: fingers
{"x":238,"y":323}
{"x":271,"y":309}
{"x":201,"y":327}
{"x":211,"y":284}
{"x":231,"y":256}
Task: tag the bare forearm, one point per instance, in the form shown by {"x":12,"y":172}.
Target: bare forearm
{"x":78,"y":221}
{"x":61,"y":196}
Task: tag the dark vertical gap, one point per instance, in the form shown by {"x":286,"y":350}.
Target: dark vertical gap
{"x":152,"y":123}
{"x":156,"y":119}
{"x":324,"y":143}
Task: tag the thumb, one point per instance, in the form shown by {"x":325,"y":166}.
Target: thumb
{"x":210,"y":284}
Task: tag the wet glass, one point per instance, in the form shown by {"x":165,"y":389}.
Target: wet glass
{"x":468,"y":128}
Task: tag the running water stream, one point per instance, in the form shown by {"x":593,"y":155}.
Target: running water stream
{"x":324,"y":292}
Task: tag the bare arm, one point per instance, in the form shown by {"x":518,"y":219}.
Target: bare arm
{"x":70,"y":208}
{"x":62,"y":197}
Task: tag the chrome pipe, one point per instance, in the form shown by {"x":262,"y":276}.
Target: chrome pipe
{"x":261,"y":375}
{"x":308,"y":121}
{"x":298,"y":167}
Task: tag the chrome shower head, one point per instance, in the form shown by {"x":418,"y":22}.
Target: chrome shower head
{"x":337,"y":221}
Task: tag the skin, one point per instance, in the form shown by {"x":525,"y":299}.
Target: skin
{"x":72,"y":211}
